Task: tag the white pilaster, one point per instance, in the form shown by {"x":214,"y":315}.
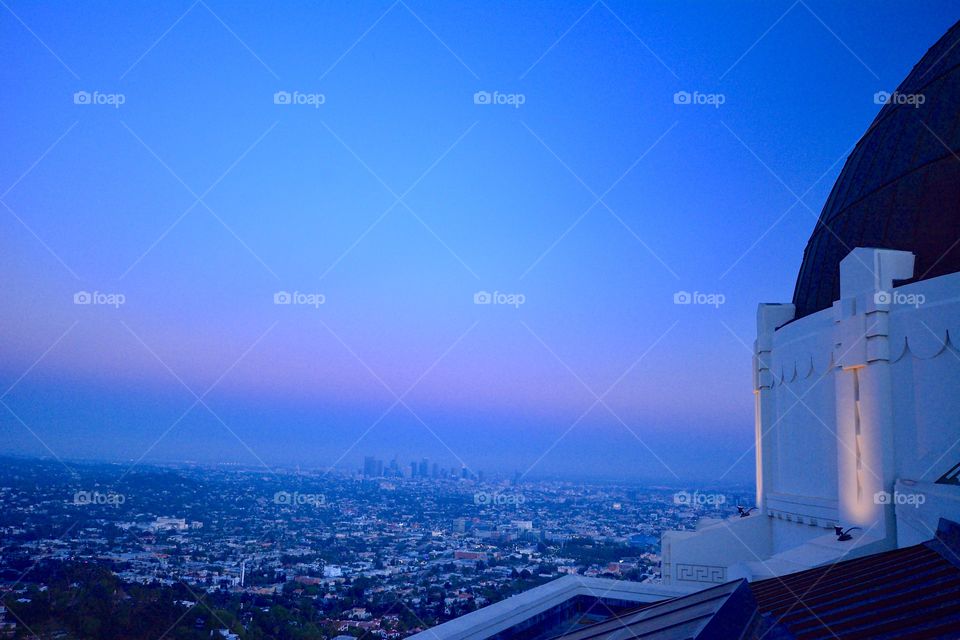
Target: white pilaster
{"x":769,"y":318}
{"x":863,"y":387}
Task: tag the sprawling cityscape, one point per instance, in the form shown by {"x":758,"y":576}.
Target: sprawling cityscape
{"x":307,"y":554}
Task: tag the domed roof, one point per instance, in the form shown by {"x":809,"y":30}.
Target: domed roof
{"x":900,"y":188}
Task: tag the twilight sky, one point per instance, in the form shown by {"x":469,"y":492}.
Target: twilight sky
{"x":380,"y":182}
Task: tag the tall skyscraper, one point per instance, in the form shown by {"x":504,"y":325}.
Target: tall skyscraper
{"x":372,"y":467}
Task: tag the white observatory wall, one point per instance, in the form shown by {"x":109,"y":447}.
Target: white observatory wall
{"x":801,"y":491}
{"x":803,"y":425}
{"x":925,"y":366}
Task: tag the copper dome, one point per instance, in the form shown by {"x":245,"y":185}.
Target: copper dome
{"x":900,"y":187}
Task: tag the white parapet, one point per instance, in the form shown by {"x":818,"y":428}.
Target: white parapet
{"x":919,"y":507}
{"x":702,"y":558}
{"x":527,"y":606}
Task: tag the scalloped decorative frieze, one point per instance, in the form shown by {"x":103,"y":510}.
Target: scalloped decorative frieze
{"x":805,"y":367}
{"x":922,"y":341}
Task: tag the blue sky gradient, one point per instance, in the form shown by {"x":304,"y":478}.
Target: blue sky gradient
{"x":397,"y":199}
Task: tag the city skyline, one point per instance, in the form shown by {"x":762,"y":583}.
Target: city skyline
{"x":212,"y":540}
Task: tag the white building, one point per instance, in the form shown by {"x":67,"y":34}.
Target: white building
{"x":857,"y":417}
{"x":164,"y":523}
{"x":857,"y":381}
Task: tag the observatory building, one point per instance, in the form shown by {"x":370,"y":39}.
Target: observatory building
{"x":857,"y":389}
{"x":857,"y":380}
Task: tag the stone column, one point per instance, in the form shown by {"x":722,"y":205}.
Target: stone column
{"x":864,"y":424}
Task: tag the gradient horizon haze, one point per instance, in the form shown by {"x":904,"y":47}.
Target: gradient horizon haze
{"x":394,"y":161}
